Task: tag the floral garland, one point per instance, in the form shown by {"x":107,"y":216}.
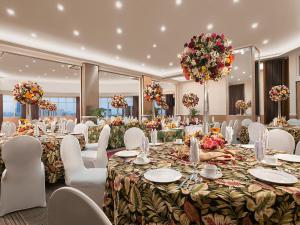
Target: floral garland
{"x":242,"y":105}
{"x":118,"y":101}
{"x":153,"y":92}
{"x":207,"y":57}
{"x":190,"y":100}
{"x":279,"y":93}
{"x":28,"y":92}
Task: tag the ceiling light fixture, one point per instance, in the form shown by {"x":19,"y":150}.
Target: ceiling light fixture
{"x":60,"y":7}
{"x":231,"y":77}
{"x":33,"y":35}
{"x":154,"y":45}
{"x":170,"y":63}
{"x":254,"y":25}
{"x":119,"y":30}
{"x":117,"y":57}
{"x":33,"y":61}
{"x":239,"y":79}
{"x":20,"y":70}
{"x":236,"y":1}
{"x":119,"y":47}
{"x":178,"y":2}
{"x":27,"y":66}
{"x":53,"y":70}
{"x":235,"y":68}
{"x":148,"y":56}
{"x":209,"y":26}
{"x":82,"y":48}
{"x":10,"y":12}
{"x":118,"y":4}
{"x":266,"y":41}
{"x":244,"y":72}
{"x":163,"y":28}
{"x":76,"y":33}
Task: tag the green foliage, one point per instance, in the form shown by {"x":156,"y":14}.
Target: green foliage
{"x":99,"y":112}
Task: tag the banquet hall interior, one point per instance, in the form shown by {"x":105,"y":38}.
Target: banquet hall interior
{"x":149,"y":112}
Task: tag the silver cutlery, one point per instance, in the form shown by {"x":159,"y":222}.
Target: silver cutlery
{"x":183,"y":182}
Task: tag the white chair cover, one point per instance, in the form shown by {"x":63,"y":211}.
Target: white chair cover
{"x":81,"y":128}
{"x":255,"y":130}
{"x":89,"y":123}
{"x":192,"y":129}
{"x":98,"y":159}
{"x":70,"y":126}
{"x":133,"y":138}
{"x":23,"y":180}
{"x":236,"y":130}
{"x":246,"y":122}
{"x":223,"y":128}
{"x":4,"y":127}
{"x":281,"y":140}
{"x":53,"y":126}
{"x":11,"y":129}
{"x":230,"y":123}
{"x":42,"y":126}
{"x":90,"y":181}
{"x":294,"y":122}
{"x":69,"y":206}
{"x":297,"y":152}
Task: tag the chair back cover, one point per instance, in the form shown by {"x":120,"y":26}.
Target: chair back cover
{"x":89,"y":123}
{"x":281,"y":140}
{"x":192,"y":129}
{"x":3,"y":127}
{"x":230,"y":123}
{"x":11,"y":129}
{"x":23,"y":180}
{"x":70,"y":126}
{"x":133,"y":138}
{"x":223,"y":128}
{"x":246,"y":122}
{"x":297,"y":152}
{"x":71,"y":156}
{"x":82,"y":129}
{"x":102,"y":159}
{"x":255,"y":130}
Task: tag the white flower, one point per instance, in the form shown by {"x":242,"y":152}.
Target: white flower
{"x":193,"y":62}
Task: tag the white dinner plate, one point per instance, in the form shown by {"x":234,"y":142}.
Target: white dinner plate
{"x":273,"y":176}
{"x":288,"y":157}
{"x":162,"y":175}
{"x":270,"y":164}
{"x":145,"y":162}
{"x":156,"y":144}
{"x":248,"y":146}
{"x":127,"y":153}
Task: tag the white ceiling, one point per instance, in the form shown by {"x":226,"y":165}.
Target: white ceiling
{"x":40,"y":24}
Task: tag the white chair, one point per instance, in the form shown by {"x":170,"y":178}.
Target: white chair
{"x":53,"y":126}
{"x":294,"y":122}
{"x":11,"y":129}
{"x":133,"y":138}
{"x":281,"y":140}
{"x":223,"y":128}
{"x":70,"y":126}
{"x":69,"y":206}
{"x":89,"y":123}
{"x":236,"y":129}
{"x":23,"y":180}
{"x":90,"y":181}
{"x":192,"y":129}
{"x":297,"y":152}
{"x":246,"y":122}
{"x":42,"y":126}
{"x":230,"y":123}
{"x":256,"y":131}
{"x":81,"y":128}
{"x":98,"y":159}
{"x":4,"y":127}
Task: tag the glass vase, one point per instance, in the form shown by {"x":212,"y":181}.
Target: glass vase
{"x":206,"y":109}
{"x":153,"y":110}
{"x":279,"y":109}
{"x":28,"y":112}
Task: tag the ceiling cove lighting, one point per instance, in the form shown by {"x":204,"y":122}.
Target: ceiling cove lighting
{"x":236,"y":1}
{"x":34,"y":35}
{"x":235,"y":68}
{"x":10,"y":12}
{"x":117,"y":57}
{"x":60,"y":7}
{"x":119,"y":47}
{"x":76,"y":33}
{"x":148,"y":56}
{"x":118,"y":4}
{"x":154,"y":45}
{"x":119,"y":30}
{"x":178,"y":2}
{"x":82,"y":48}
{"x":170,"y":63}
{"x":266,"y":41}
{"x":209,"y":26}
{"x":254,"y":25}
{"x":163,"y":28}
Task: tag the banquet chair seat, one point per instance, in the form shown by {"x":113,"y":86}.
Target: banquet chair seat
{"x":23,"y":180}
{"x":90,"y":181}
{"x":246,"y":122}
{"x":133,"y":138}
{"x":98,"y":159}
{"x":281,"y":140}
{"x":69,"y":206}
{"x":256,"y":130}
{"x":297,"y":152}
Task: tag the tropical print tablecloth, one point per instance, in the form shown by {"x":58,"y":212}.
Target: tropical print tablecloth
{"x":116,"y":139}
{"x":294,"y":131}
{"x":236,"y":198}
{"x":54,"y":169}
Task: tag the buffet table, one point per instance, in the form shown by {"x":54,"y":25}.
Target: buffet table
{"x":235,"y":198}
{"x":54,"y":170}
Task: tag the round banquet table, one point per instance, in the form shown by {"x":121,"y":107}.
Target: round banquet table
{"x":236,"y":198}
{"x":54,"y":170}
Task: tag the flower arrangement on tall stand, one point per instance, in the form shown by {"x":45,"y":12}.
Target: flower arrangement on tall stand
{"x":163,"y":104}
{"x":190,"y":101}
{"x":206,"y":57}
{"x":119,"y":102}
{"x":152,"y":93}
{"x":28,"y":93}
{"x":278,"y":94}
{"x":242,"y":106}
{"x":48,"y":107}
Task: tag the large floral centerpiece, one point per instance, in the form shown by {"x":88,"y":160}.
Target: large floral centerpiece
{"x":119,"y":102}
{"x":242,"y":105}
{"x":152,"y":93}
{"x":52,"y":107}
{"x":118,"y":121}
{"x":25,"y":129}
{"x":279,"y":122}
{"x":47,"y":106}
{"x":212,"y":141}
{"x":206,"y":57}
{"x":279,"y":93}
{"x":190,"y":101}
{"x":154,"y":124}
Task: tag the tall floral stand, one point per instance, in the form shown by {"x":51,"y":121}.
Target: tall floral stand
{"x":153,"y":110}
{"x":279,"y":109}
{"x":28,"y":112}
{"x":205,"y":109}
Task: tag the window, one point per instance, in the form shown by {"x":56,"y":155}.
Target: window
{"x":66,"y":106}
{"x":111,"y":111}
{"x":11,"y":108}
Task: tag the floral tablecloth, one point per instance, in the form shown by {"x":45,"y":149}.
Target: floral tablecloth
{"x":294,"y":131}
{"x":54,"y":169}
{"x":236,"y":198}
{"x":116,"y":139}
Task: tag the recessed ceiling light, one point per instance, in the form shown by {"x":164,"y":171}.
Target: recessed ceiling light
{"x":33,"y":35}
{"x":33,"y":61}
{"x":244,"y":72}
{"x":118,"y":4}
{"x":242,"y":52}
{"x":254,"y":25}
{"x":163,"y":28}
{"x":60,"y":7}
{"x":209,"y":26}
{"x":239,"y":79}
{"x":148,"y":56}
{"x":154,"y":45}
{"x":236,"y":1}
{"x":82,"y":48}
{"x":170,"y":63}
{"x":266,"y":41}
{"x":119,"y":47}
{"x":178,"y":56}
{"x":119,"y":30}
{"x":250,"y":76}
{"x":178,"y":2}
{"x":20,"y":70}
{"x":117,"y":57}
{"x":231,"y":77}
{"x":53,"y":70}
{"x":27,"y":66}
{"x":235,"y":68}
{"x":10,"y":12}
{"x":143,"y":64}
{"x":76,"y":33}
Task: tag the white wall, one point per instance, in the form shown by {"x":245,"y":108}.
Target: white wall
{"x":217,"y":96}
{"x":293,"y":77}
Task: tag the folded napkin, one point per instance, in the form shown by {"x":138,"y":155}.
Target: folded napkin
{"x":220,"y":156}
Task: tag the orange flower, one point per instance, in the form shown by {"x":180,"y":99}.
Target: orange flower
{"x":215,"y":130}
{"x":28,"y":95}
